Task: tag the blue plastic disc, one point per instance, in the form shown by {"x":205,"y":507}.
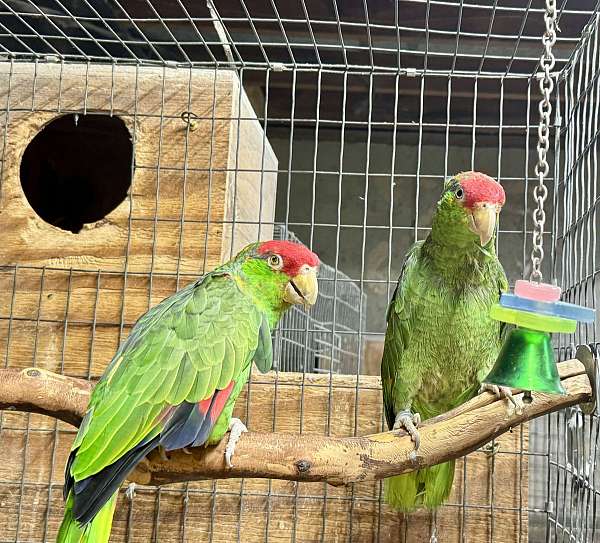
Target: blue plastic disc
{"x":556,"y":309}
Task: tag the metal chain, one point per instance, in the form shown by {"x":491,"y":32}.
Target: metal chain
{"x":540,"y":192}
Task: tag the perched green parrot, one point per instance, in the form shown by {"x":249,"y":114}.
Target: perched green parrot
{"x":440,"y":340}
{"x":174,"y":381}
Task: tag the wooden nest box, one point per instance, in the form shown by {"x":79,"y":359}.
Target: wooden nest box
{"x":119,"y":185}
{"x":124,"y":167}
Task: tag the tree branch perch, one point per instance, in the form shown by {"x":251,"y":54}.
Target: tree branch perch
{"x":306,"y":457}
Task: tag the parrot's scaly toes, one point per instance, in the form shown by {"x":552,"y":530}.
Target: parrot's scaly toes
{"x":163,"y":454}
{"x":236,"y":429}
{"x":412,"y":456}
{"x":406,"y":420}
{"x":130,"y":492}
{"x":488,"y":387}
{"x":504,"y":392}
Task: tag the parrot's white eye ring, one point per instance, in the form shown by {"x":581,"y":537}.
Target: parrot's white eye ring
{"x":460,"y":194}
{"x":275,"y":262}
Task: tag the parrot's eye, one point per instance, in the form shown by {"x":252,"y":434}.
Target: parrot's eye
{"x":460,"y":194}
{"x":275,"y":262}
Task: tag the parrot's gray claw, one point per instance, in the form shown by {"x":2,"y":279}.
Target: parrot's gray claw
{"x":236,"y":429}
{"x":503,"y":392}
{"x":130,"y":492}
{"x":186,"y":450}
{"x":409,"y":421}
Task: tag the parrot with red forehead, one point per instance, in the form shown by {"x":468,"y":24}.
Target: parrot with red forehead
{"x":174,"y":381}
{"x":440,"y":341}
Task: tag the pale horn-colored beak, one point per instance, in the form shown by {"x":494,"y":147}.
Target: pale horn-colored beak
{"x":302,"y":289}
{"x":483,"y":218}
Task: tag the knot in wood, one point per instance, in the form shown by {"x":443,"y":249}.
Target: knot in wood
{"x":33,"y":373}
{"x":303,"y":466}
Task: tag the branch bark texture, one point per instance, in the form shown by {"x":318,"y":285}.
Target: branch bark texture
{"x":305,"y":457}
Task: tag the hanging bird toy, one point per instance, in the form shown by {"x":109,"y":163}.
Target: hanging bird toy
{"x":527,"y":359}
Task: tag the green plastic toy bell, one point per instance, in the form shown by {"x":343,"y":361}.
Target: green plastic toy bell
{"x":527,"y":361}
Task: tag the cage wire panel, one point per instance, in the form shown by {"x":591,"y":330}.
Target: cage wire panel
{"x":335,"y":324}
{"x":364,"y":108}
{"x":572,"y":481}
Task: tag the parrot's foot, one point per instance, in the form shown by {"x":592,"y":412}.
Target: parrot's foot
{"x":236,"y":429}
{"x":163,"y":453}
{"x":186,"y":450}
{"x":130,"y":492}
{"x":503,"y":392}
{"x":409,"y":421}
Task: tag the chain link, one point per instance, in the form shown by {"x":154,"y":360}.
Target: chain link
{"x":540,"y":192}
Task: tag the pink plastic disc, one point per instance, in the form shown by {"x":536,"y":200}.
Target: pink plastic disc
{"x":542,"y":292}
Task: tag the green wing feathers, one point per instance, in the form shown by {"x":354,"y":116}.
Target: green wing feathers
{"x":397,"y":337}
{"x":179,"y":370}
{"x":184,"y":349}
{"x":263,"y":357}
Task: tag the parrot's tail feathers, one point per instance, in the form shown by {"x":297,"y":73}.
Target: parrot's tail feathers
{"x":429,"y":487}
{"x":437,"y":483}
{"x":400,"y":492}
{"x":94,"y":492}
{"x":97,"y":531}
{"x":68,"y":479}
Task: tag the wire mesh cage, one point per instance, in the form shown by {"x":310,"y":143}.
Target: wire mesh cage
{"x":145,"y":142}
{"x":327,"y":339}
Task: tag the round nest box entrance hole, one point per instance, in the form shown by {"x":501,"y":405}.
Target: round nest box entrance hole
{"x":77,"y":169}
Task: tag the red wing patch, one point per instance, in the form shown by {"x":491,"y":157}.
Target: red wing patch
{"x":216,"y":402}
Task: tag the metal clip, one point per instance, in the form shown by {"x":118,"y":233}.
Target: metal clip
{"x":190,"y":118}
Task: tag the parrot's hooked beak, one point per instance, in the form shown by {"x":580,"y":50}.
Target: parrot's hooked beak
{"x":302,"y":289}
{"x":482,"y":221}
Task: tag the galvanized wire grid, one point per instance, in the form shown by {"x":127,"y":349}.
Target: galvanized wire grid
{"x":367,"y":107}
{"x":573,"y":470}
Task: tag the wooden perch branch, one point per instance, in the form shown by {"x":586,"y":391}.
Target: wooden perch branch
{"x":306,"y":457}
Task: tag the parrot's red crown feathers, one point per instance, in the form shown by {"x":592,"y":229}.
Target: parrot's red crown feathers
{"x":479,"y":187}
{"x":293,"y":254}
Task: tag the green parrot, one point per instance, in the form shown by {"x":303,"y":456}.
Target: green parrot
{"x":440,"y":340}
{"x":174,"y":381}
